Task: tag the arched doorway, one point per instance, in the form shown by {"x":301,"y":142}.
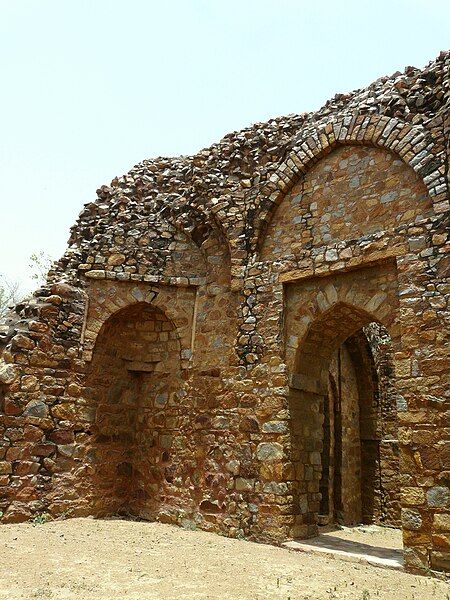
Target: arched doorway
{"x":360,"y":481}
{"x":336,"y":433}
{"x":134,"y":379}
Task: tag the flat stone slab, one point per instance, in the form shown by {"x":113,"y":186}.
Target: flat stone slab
{"x":333,"y":544}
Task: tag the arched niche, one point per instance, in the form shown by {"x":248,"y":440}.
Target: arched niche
{"x":352,"y":192}
{"x":134,"y":385}
{"x":204,"y":244}
{"x":412,"y":143}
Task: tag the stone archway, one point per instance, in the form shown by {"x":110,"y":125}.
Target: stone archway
{"x":309,"y":391}
{"x":133,"y":382}
{"x":360,"y":457}
{"x":323,"y":315}
{"x":410,"y":143}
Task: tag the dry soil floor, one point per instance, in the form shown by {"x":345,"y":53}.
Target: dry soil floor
{"x":112,"y":559}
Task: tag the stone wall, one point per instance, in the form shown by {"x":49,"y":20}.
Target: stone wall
{"x":176,"y":363}
{"x":353,"y":192}
{"x":345,"y":384}
{"x":384,"y":430}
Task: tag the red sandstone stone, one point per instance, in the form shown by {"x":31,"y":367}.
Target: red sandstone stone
{"x":12,"y":407}
{"x":43,"y":449}
{"x":62,"y":436}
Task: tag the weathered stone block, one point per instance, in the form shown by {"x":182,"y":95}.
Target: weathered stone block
{"x":411,"y":519}
{"x":8,"y":373}
{"x":413,"y":496}
{"x":269,"y":451}
{"x":440,"y":561}
{"x":441,"y":522}
{"x":5,"y":468}
{"x":438,"y":496}
{"x":36,"y":408}
{"x":244,"y":485}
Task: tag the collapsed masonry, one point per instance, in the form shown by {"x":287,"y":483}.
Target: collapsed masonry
{"x":251,"y":340}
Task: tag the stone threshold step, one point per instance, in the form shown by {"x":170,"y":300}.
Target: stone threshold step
{"x":392,"y":560}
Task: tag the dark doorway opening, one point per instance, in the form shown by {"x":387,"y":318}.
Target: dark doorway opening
{"x":359,"y":457}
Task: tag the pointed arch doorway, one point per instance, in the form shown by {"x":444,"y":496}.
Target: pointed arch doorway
{"x":338,"y":429}
{"x":359,"y":458}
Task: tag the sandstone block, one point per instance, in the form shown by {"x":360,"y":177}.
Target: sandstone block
{"x":5,"y":468}
{"x":411,"y":519}
{"x":441,"y":522}
{"x":36,"y":408}
{"x":8,"y":373}
{"x":17,"y":512}
{"x":438,"y":496}
{"x":269,"y":452}
{"x":413,"y":496}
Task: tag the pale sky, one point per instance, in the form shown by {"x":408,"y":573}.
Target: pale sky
{"x":90,"y":88}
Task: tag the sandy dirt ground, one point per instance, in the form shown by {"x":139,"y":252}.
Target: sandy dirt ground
{"x":118,"y":559}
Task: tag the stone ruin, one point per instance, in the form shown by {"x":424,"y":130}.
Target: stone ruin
{"x":252,"y":340}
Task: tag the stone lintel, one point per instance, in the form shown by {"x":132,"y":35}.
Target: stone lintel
{"x":353,"y":263}
{"x":306,"y":383}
